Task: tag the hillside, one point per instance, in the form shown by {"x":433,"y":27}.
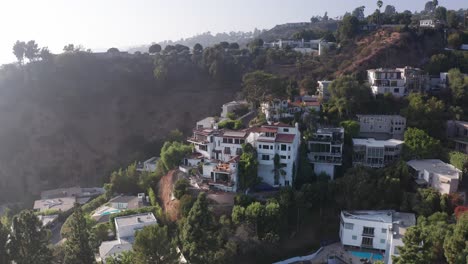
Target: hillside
{"x":76,"y":118}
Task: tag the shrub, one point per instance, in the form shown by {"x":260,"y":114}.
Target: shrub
{"x":180,"y":188}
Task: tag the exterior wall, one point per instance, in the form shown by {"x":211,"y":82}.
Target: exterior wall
{"x":375,"y":153}
{"x":379,"y":238}
{"x":391,"y":124}
{"x":329,"y":169}
{"x":119,"y":205}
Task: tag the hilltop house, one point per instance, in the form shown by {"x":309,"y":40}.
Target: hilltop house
{"x":375,"y":153}
{"x":125,"y":227}
{"x":118,"y":204}
{"x":382,"y":126}
{"x":326,"y":150}
{"x":302,"y":46}
{"x":381,"y":230}
{"x":323,"y":89}
{"x":397,"y":81}
{"x":148,"y":165}
{"x":457,"y":131}
{"x":62,"y":204}
{"x":436,"y":174}
{"x":276,"y":139}
{"x":278,"y":109}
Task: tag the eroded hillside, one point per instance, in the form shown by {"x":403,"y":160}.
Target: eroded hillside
{"x":76,"y":118}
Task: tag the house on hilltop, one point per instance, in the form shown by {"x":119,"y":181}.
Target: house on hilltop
{"x":326,"y":150}
{"x":436,"y":174}
{"x":376,"y":153}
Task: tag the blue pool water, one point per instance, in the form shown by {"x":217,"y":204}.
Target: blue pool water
{"x":111,"y":212}
{"x":367,"y":255}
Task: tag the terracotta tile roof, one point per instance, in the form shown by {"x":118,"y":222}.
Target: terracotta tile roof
{"x":285,"y":138}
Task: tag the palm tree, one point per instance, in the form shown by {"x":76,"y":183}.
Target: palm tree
{"x":278,"y":168}
{"x":379,"y":4}
{"x":435,"y":3}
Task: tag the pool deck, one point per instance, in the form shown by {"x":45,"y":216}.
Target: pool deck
{"x":338,"y":250}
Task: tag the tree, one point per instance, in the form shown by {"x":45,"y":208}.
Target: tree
{"x":348,"y":28}
{"x":29,"y":240}
{"x":234,"y":45}
{"x":154,"y":48}
{"x":390,"y":11}
{"x":452,"y":19}
{"x":126,"y":257}
{"x":256,"y":43}
{"x":185,"y":204}
{"x":69,"y":48}
{"x":358,"y":12}
{"x":347,"y":96}
{"x":325,"y":16}
{"x":4,"y":233}
{"x":113,"y":50}
{"x":32,"y":50}
{"x":19,"y":50}
{"x":45,"y":54}
{"x":248,"y":165}
{"x":455,"y":244}
{"x":154,"y":245}
{"x":379,"y":4}
{"x":77,"y":245}
{"x":172,"y":153}
{"x":441,"y":13}
{"x":175,"y":135}
{"x":152,"y":197}
{"x":259,"y":85}
{"x":351,"y":128}
{"x":180,"y":188}
{"x":198,"y":48}
{"x":458,"y":86}
{"x":278,"y":169}
{"x":429,"y":7}
{"x":454,"y":41}
{"x":202,"y":241}
{"x":418,"y":144}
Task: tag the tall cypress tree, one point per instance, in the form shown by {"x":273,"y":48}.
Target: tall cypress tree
{"x":4,"y":232}
{"x":29,"y":240}
{"x":77,"y":246}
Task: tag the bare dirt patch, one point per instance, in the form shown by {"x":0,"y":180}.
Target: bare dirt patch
{"x":166,"y":184}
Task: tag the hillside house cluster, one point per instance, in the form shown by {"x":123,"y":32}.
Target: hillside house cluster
{"x":218,"y":152}
{"x":381,"y":230}
{"x":277,"y":109}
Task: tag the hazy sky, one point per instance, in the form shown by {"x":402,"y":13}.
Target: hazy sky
{"x":100,"y":24}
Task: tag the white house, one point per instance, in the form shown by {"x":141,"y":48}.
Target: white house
{"x":232,"y":107}
{"x":427,"y":23}
{"x":326,"y":150}
{"x":148,"y":165}
{"x":323,"y":89}
{"x":382,"y":126}
{"x":436,"y":174}
{"x":397,"y":81}
{"x":125,"y":227}
{"x":276,"y":139}
{"x":221,"y":175}
{"x":381,"y":230}
{"x":125,"y":202}
{"x":375,"y":153}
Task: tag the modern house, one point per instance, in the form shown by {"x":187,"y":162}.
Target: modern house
{"x":380,"y":230}
{"x":326,"y":150}
{"x":276,"y":139}
{"x":302,"y":46}
{"x":436,"y":174}
{"x":382,"y":126}
{"x":125,"y":227}
{"x":375,"y":153}
{"x":60,"y":204}
{"x":124,"y":202}
{"x":397,"y":81}
{"x":323,"y":89}
{"x":457,"y":131}
{"x":148,"y":165}
{"x":427,"y":23}
{"x":278,"y":109}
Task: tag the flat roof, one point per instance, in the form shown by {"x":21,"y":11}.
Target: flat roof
{"x":372,"y":142}
{"x":393,"y":116}
{"x":62,"y":204}
{"x":383,"y":216}
{"x":329,"y":130}
{"x":123,"y":199}
{"x":435,"y":166}
{"x":130,"y":220}
{"x":109,"y":248}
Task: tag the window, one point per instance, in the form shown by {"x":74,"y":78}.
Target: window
{"x":396,"y":90}
{"x":368,"y":231}
{"x":283,"y":157}
{"x":238,"y":151}
{"x":265,"y":147}
{"x":382,"y":241}
{"x":225,"y":140}
{"x":384,"y":231}
{"x":227,"y":150}
{"x":286,"y":183}
{"x":289,"y":147}
{"x":242,"y":141}
{"x":354,"y":237}
{"x":367,"y":241}
{"x":271,"y":146}
{"x":349,"y":226}
{"x":236,"y":141}
{"x":285,"y":129}
{"x":265,"y":157}
{"x":283,"y":147}
{"x":289,"y":157}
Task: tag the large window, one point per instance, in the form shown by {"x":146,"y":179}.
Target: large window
{"x":227,"y":150}
{"x":283,"y":147}
{"x":368,"y":231}
{"x":265,"y":157}
{"x":368,"y":241}
{"x":349,"y":226}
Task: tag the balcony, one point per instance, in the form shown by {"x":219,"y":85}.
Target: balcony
{"x":368,"y":234}
{"x":198,"y":140}
{"x":331,"y":158}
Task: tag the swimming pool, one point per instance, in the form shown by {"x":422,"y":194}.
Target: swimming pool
{"x":367,"y":255}
{"x":111,"y":212}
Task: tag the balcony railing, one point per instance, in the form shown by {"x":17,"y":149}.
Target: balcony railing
{"x":368,"y":234}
